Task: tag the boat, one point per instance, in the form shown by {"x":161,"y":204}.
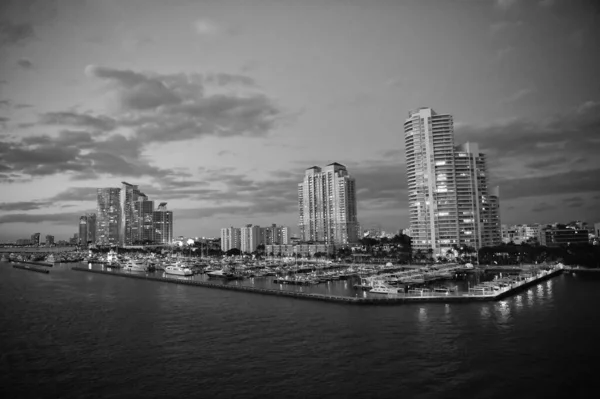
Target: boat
{"x":134,"y":265}
{"x":221,"y":274}
{"x":380,"y":288}
{"x":50,"y":258}
{"x":178,"y":270}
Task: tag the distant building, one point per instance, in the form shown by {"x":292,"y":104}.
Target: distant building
{"x":299,"y":249}
{"x":129,"y":226}
{"x":327,"y":205}
{"x":49,"y":240}
{"x":108,"y":216}
{"x":35,"y":239}
{"x":561,"y":236}
{"x":144,"y":215}
{"x":250,"y":238}
{"x":275,"y":235}
{"x":231,"y":237}
{"x":23,"y":241}
{"x":75,"y":239}
{"x":163,"y":224}
{"x":87,"y":229}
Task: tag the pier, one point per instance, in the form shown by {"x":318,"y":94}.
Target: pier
{"x":390,"y":299}
{"x":45,"y":264}
{"x":32,"y":269}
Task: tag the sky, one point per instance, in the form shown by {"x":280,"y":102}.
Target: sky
{"x":218,"y":107}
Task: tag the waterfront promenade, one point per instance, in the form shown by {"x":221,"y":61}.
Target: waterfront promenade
{"x":389,"y":299}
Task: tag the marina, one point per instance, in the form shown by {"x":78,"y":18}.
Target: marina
{"x":389,"y":297}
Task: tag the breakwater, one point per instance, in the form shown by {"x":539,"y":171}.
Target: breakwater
{"x":387,"y":300}
{"x":30,"y":262}
{"x":31,"y":269}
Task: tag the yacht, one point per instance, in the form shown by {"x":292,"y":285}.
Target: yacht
{"x":134,"y":265}
{"x":178,"y":269}
{"x":380,"y":288}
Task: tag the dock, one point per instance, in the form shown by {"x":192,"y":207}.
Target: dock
{"x":45,"y":264}
{"x":390,"y":299}
{"x":32,"y":269}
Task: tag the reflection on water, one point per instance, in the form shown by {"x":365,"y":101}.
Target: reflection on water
{"x":540,"y":291}
{"x":485,"y":311}
{"x":423,"y":315}
{"x":519,"y":301}
{"x":549,"y":287}
{"x":503,"y":310}
{"x":530,"y":297}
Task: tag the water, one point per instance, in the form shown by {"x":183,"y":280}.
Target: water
{"x":77,"y":335}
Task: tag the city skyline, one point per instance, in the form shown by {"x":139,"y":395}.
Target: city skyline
{"x":219,"y":107}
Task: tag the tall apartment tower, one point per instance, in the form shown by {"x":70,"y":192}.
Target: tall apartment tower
{"x":129,"y":222}
{"x":327,"y":205}
{"x":108,"y":221}
{"x":449,"y":202}
{"x":35,"y":239}
{"x":163,"y":224}
{"x":231,"y":237}
{"x":87,"y":229}
{"x":144,"y":214}
{"x":250,"y":238}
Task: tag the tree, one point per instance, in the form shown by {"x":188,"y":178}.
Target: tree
{"x":233,"y":252}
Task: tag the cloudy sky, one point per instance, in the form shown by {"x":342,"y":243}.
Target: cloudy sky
{"x":218,"y":107}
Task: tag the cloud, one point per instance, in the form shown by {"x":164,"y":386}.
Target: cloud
{"x":70,"y":218}
{"x":205,"y":27}
{"x":75,"y":194}
{"x":103,"y":123}
{"x":552,"y":184}
{"x":518,"y":95}
{"x":505,"y":4}
{"x":15,"y":33}
{"x":546,"y":3}
{"x":136,"y":91}
{"x":542,"y":207}
{"x":575,"y":129}
{"x":24,"y":63}
{"x":504,"y":52}
{"x":23,"y":206}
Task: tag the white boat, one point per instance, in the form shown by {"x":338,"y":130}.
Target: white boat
{"x":216,"y":273}
{"x":178,"y":270}
{"x":134,"y":265}
{"x":380,"y":288}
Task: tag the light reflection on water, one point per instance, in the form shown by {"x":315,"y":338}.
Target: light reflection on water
{"x":530,"y":297}
{"x":503,"y":310}
{"x":519,"y":302}
{"x":422,"y":315}
{"x":540,"y":291}
{"x":485,"y":311}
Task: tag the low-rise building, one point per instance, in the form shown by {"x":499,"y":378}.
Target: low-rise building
{"x":561,"y":236}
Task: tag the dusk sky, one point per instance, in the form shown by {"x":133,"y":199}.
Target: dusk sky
{"x":218,"y":107}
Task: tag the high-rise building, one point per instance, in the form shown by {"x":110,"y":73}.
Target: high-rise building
{"x":49,"y":240}
{"x":231,"y":237}
{"x":327,"y":205}
{"x":35,"y":239}
{"x":108,"y":216}
{"x":478,"y":206}
{"x":87,"y":229}
{"x":163,"y":224}
{"x":144,"y":210}
{"x":449,"y":200}
{"x":129,"y":220}
{"x":250,"y":237}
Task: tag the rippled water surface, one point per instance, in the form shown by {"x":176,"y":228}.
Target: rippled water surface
{"x":76,"y":335}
